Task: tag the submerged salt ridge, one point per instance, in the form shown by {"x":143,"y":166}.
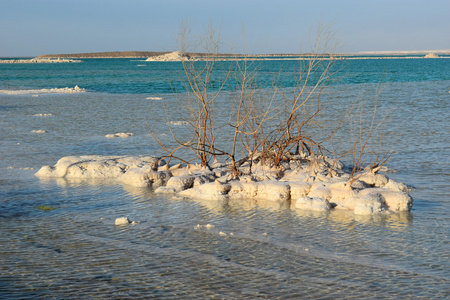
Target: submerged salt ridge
{"x":296,"y":184}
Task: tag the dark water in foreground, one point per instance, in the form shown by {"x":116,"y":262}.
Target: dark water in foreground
{"x":59,"y":239}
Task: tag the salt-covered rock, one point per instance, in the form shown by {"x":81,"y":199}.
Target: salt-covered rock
{"x":376,"y":180}
{"x":394,"y":200}
{"x":180,"y":183}
{"x":345,"y":203}
{"x":93,"y":166}
{"x":243,"y":189}
{"x":397,"y":186}
{"x":208,"y":191}
{"x":135,"y":177}
{"x":274,"y":190}
{"x":369,"y":204}
{"x":122,"y":221}
{"x":315,"y":204}
{"x":299,"y":189}
{"x":319,"y":190}
{"x":397,"y":201}
{"x":119,"y":135}
{"x":341,"y":190}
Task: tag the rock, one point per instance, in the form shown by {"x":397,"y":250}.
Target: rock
{"x":208,"y":191}
{"x":39,"y":131}
{"x":397,"y":186}
{"x":274,"y":191}
{"x":376,"y":180}
{"x":319,"y":190}
{"x":120,"y":135}
{"x":122,"y":221}
{"x":93,"y":166}
{"x":299,"y":189}
{"x":180,"y":183}
{"x":369,"y":204}
{"x":316,"y":204}
{"x":394,"y":200}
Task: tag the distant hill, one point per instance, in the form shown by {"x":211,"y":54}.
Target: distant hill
{"x":115,"y":54}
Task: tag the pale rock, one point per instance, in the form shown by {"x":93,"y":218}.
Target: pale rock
{"x":394,"y":200}
{"x":39,"y":131}
{"x":345,"y":203}
{"x":274,"y":191}
{"x":180,"y":183}
{"x":369,"y":204}
{"x":315,"y":204}
{"x":240,"y":189}
{"x":135,"y":177}
{"x":93,"y":166}
{"x":166,"y":190}
{"x":208,"y":191}
{"x":397,"y":201}
{"x":319,"y":190}
{"x":159,"y":178}
{"x":340,"y":190}
{"x":120,"y":135}
{"x":397,"y":186}
{"x":122,"y":221}
{"x":298,"y":189}
{"x":376,"y":180}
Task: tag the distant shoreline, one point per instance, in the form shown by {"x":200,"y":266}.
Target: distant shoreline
{"x":63,"y":58}
{"x":147,"y":54}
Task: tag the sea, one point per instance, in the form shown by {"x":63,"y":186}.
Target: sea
{"x":59,"y":241}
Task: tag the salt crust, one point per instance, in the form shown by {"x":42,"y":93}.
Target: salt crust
{"x":66,"y":90}
{"x":39,"y":131}
{"x":122,"y":221}
{"x":119,"y":135}
{"x":38,"y":61}
{"x":294,"y":187}
{"x":172,"y":56}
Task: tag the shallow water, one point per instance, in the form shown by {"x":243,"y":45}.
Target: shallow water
{"x":59,"y":239}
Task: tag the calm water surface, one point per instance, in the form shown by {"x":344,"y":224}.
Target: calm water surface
{"x":74,"y":250}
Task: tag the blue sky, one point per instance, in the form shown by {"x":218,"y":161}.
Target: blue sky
{"x":34,"y":27}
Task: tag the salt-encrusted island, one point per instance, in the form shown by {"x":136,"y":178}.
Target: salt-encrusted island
{"x":298,"y":183}
{"x":38,"y":60}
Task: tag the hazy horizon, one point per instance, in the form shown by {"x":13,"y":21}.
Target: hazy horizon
{"x":81,"y":26}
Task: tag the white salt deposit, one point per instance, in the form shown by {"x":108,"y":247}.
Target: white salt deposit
{"x":172,"y":56}
{"x":296,"y":186}
{"x":38,"y":61}
{"x":93,"y":166}
{"x":65,"y":90}
{"x":42,"y":115}
{"x":119,"y":135}
{"x":122,"y":221}
{"x":315,"y":203}
{"x":178,"y":123}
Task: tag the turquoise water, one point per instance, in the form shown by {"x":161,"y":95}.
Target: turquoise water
{"x":74,"y":250}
